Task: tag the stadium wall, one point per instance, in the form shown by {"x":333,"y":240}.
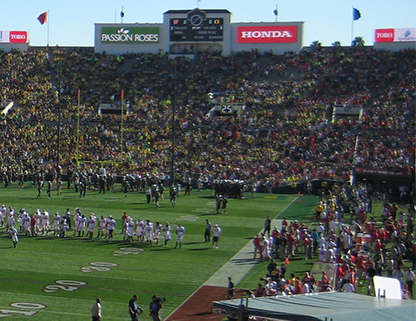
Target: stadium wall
{"x":7,"y":47}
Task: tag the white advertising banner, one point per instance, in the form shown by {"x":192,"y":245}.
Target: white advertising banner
{"x":13,"y":37}
{"x":395,"y":35}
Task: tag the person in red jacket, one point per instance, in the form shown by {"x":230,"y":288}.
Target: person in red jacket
{"x":297,"y":287}
{"x":256,"y":243}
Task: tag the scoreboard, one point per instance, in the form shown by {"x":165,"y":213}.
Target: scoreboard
{"x":196,"y":28}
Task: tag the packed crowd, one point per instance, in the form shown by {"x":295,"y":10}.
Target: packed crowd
{"x":285,"y":133}
{"x":349,"y":244}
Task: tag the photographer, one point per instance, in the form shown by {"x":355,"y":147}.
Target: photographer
{"x":155,"y":306}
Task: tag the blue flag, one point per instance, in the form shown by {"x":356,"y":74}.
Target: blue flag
{"x":356,"y":14}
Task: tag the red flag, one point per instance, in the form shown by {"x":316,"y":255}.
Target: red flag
{"x":43,"y":18}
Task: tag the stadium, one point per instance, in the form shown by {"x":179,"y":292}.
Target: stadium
{"x":206,"y":107}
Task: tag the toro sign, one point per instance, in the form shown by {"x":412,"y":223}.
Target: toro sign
{"x":267,"y":34}
{"x":13,"y":37}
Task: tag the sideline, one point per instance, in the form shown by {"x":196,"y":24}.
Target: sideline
{"x":237,"y":267}
{"x":242,"y":262}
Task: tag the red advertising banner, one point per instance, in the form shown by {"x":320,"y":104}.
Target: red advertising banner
{"x":384,"y":35}
{"x":267,"y":34}
{"x":18,"y":37}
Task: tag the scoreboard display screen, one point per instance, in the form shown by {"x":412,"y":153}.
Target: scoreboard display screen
{"x":196,"y":28}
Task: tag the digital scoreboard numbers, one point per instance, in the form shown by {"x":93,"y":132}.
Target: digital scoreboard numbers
{"x":196,"y":28}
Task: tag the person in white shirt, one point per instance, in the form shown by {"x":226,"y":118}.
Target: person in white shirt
{"x":216,"y":232}
{"x":111,"y":223}
{"x":320,"y":229}
{"x":91,"y":225}
{"x":96,"y":310}
{"x":2,"y":214}
{"x":167,"y":233}
{"x":102,"y":228}
{"x":149,"y":232}
{"x":158,"y":229}
{"x":56,"y":223}
{"x":130,"y":229}
{"x":180,"y":232}
{"x":45,"y":222}
{"x":140,"y":230}
{"x":14,"y":234}
{"x":348,"y":286}
{"x":410,"y":280}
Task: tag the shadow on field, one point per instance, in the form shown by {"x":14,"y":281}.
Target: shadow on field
{"x":244,"y":261}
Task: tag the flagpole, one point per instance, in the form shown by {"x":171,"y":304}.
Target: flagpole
{"x":277,"y":13}
{"x":79,"y":102}
{"x":47,"y":30}
{"x":122,"y":124}
{"x":352,"y":24}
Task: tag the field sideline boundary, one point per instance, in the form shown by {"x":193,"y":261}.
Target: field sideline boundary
{"x":237,"y":267}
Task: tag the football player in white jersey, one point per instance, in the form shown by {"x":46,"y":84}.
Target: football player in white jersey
{"x":3,"y":211}
{"x":130,"y":229}
{"x":180,"y":232}
{"x":111,"y":223}
{"x":45,"y":222}
{"x":167,"y":232}
{"x":14,"y":234}
{"x":102,"y":228}
{"x":148,"y":229}
{"x":10,"y":217}
{"x":91,"y":225}
{"x":56,"y":223}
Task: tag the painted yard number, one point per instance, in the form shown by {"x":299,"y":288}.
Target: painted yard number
{"x":127,"y":251}
{"x":98,"y":267}
{"x":64,"y":285}
{"x":26,"y":309}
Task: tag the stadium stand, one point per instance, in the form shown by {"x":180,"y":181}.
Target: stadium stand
{"x":284,"y":135}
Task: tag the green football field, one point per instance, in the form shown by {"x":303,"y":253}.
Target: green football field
{"x":50,"y":278}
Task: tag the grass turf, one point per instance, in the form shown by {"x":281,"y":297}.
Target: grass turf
{"x":60,"y":278}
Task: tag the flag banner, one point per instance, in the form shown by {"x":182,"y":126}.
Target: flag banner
{"x":43,"y":18}
{"x":275,"y":12}
{"x":356,"y":14}
{"x":122,"y":14}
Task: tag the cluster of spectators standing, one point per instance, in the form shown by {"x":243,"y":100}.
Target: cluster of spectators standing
{"x":347,"y":240}
{"x":284,"y":135}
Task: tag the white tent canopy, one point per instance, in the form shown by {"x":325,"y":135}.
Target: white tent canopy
{"x":338,"y":306}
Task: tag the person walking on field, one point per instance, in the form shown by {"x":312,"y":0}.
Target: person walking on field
{"x":96,"y":310}
{"x":134,"y":308}
{"x":231,"y":288}
{"x":216,"y":236}
{"x":208,"y":231}
{"x":14,"y":234}
{"x":180,"y":232}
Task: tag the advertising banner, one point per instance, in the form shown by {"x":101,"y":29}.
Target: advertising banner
{"x":395,"y":35}
{"x":130,"y":35}
{"x":267,"y":34}
{"x":13,"y":37}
